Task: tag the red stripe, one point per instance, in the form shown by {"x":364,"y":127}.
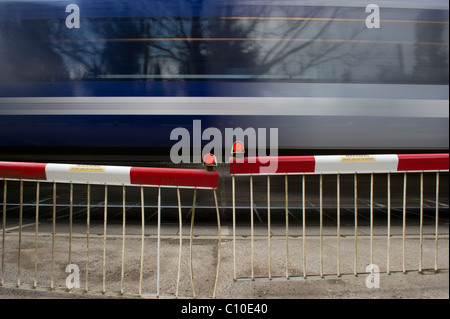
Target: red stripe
{"x":284,"y":164}
{"x":22,"y":170}
{"x":174,"y":177}
{"x":422,"y":162}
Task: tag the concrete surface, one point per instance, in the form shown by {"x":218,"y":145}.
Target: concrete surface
{"x":429,"y":285}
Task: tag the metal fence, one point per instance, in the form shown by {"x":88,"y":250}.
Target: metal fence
{"x":311,"y":250}
{"x":46,"y":245}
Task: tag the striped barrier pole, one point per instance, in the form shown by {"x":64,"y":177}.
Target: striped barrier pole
{"x":111,"y":175}
{"x":342,"y":164}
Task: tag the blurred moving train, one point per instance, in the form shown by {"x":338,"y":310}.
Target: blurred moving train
{"x":110,"y":80}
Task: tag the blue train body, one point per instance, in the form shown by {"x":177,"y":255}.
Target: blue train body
{"x":132,"y":71}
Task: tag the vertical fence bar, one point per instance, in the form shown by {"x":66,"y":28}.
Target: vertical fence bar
{"x":269,"y":228}
{"x":88,"y":229}
{"x":251,"y":228}
{"x":233,"y":189}
{"x":191,"y":241}
{"x":158,"y":274}
{"x":52,"y":281}
{"x":304,"y":225}
{"x":141,"y":273}
{"x":421,"y":222}
{"x":180,"y":223}
{"x":388,"y":266}
{"x":36,"y":234}
{"x":437,"y":224}
{"x":371,"y":223}
{"x":404,"y":223}
{"x":5,"y":186}
{"x":20,"y":233}
{"x":356,"y":223}
{"x":70,"y":221}
{"x":321,"y":224}
{"x":338,"y":195}
{"x":287,"y":225}
{"x":105,"y":223}
{"x":122,"y":277}
{"x":219,"y":244}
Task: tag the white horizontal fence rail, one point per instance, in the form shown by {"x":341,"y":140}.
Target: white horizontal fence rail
{"x":303,"y":251}
{"x":119,"y":257}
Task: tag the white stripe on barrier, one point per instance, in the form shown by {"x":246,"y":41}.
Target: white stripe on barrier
{"x":93,"y":174}
{"x":346,"y":164}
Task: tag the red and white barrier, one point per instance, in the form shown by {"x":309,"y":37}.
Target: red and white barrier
{"x":342,"y":164}
{"x":111,"y":175}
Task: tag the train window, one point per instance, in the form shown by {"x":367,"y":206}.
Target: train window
{"x":324,"y":45}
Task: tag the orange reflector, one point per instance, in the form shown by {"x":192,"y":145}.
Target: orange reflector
{"x":209,"y":159}
{"x":238,"y":147}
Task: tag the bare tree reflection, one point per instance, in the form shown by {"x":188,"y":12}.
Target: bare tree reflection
{"x":316,"y":45}
{"x":431,"y":60}
{"x":26,"y":53}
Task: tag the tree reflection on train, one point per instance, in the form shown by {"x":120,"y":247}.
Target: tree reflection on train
{"x":316,"y":44}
